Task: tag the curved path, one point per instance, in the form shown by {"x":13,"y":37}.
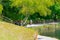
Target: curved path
{"x":35,"y":25}
{"x":45,"y":38}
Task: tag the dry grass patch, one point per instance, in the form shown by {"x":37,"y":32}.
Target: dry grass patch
{"x":13,"y":32}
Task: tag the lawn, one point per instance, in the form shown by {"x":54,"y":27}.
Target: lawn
{"x":10,"y":31}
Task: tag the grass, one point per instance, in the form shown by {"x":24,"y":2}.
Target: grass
{"x":51,"y":30}
{"x":13,"y":32}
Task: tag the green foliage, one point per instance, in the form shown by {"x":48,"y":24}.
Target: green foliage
{"x":19,"y":9}
{"x":55,"y":10}
{"x":1,"y":8}
{"x":32,"y":6}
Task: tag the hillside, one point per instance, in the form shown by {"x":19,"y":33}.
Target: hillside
{"x":13,"y":32}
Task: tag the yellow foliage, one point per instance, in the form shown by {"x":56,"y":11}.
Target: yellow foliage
{"x":13,"y":32}
{"x":1,"y":8}
{"x":49,"y":2}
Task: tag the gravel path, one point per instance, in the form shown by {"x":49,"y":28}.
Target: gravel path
{"x":45,"y":38}
{"x":35,"y":25}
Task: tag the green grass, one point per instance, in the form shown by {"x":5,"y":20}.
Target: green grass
{"x":51,"y":30}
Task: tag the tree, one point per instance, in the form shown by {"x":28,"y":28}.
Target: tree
{"x":24,"y":9}
{"x":55,"y":10}
{"x":1,"y":8}
{"x":32,"y":6}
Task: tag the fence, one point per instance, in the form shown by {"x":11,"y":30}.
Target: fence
{"x":7,"y":19}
